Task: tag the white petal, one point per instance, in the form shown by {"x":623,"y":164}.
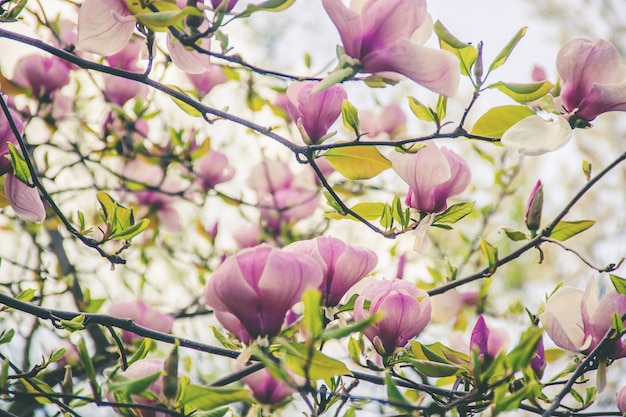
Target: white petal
{"x":535,"y":135}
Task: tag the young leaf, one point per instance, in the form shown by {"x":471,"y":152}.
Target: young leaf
{"x":455,"y":212}
{"x":266,"y":6}
{"x":6,"y":336}
{"x":491,"y":253}
{"x":311,"y":363}
{"x":350,"y":116}
{"x":524,"y":93}
{"x":198,"y":397}
{"x":132,"y":231}
{"x":357,"y":162}
{"x":587,"y":170}
{"x":466,"y":53}
{"x":564,"y":230}
{"x":187,"y":108}
{"x":442,"y":106}
{"x":20,"y":167}
{"x":386,"y":220}
{"x":514,"y":235}
{"x":343,"y":331}
{"x":393,"y":393}
{"x":420,"y":110}
{"x":369,"y":211}
{"x":619,"y":284}
{"x":499,"y":119}
{"x":312,"y":300}
{"x":120,"y":383}
{"x":504,"y":54}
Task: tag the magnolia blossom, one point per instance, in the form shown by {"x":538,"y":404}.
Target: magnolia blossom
{"x":43,"y":75}
{"x":387,"y":36}
{"x":577,"y":321}
{"x":143,"y":315}
{"x":538,"y":362}
{"x":314,"y":113}
{"x":269,"y":176}
{"x":433,"y":175}
{"x":534,"y":206}
{"x":24,"y":199}
{"x":406,"y":312}
{"x":104,"y":26}
{"x":448,"y":305}
{"x":205,"y":81}
{"x":259,"y":285}
{"x":267,"y":389}
{"x":343,"y":265}
{"x":141,"y":369}
{"x":247,"y":235}
{"x":213,"y":169}
{"x":488,"y":343}
{"x":593,"y":81}
{"x":389,"y":121}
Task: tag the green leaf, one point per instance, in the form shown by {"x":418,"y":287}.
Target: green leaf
{"x":357,"y":162}
{"x":420,"y":110}
{"x":504,"y":401}
{"x":524,"y":93}
{"x":587,"y":170}
{"x":442,"y":105}
{"x":198,"y":397}
{"x":312,"y":300}
{"x":311,"y":363}
{"x":350,"y":116}
{"x":14,"y":11}
{"x":619,"y":284}
{"x":386,"y":220}
{"x":26,"y":295}
{"x":187,"y":108}
{"x":20,"y":167}
{"x":617,"y":324}
{"x":564,"y":230}
{"x":455,"y":212}
{"x":6,"y":336}
{"x":355,"y":350}
{"x":223,"y":339}
{"x":343,"y":331}
{"x":499,"y":119}
{"x":37,"y":386}
{"x":142,"y":351}
{"x":435,"y":369}
{"x":466,"y":53}
{"x":85,"y":359}
{"x":121,"y":383}
{"x":514,"y":235}
{"x":266,"y":6}
{"x":333,"y":78}
{"x":369,"y":211}
{"x":523,"y":353}
{"x":132,"y":231}
{"x":159,"y":21}
{"x":491,"y":253}
{"x":393,"y":393}
{"x":108,"y":206}
{"x":504,"y":54}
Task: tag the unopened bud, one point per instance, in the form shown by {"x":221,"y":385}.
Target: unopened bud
{"x":534,"y":207}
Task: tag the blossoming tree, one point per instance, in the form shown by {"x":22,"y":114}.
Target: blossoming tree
{"x":189,"y":232}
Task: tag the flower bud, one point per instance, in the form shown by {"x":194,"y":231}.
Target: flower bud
{"x":143,"y":315}
{"x":267,"y":389}
{"x":534,"y":206}
{"x":538,"y":362}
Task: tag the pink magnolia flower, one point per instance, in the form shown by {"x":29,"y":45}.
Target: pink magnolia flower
{"x":259,"y":285}
{"x":343,"y":265}
{"x":44,"y":75}
{"x":433,"y":175}
{"x":621,"y":400}
{"x":593,"y":81}
{"x":538,"y":362}
{"x":314,"y":113}
{"x":406,"y":312}
{"x":287,"y":205}
{"x":488,"y":343}
{"x":448,"y":305}
{"x":24,"y":199}
{"x":143,"y":315}
{"x":120,"y":90}
{"x":270,"y":176}
{"x":128,"y":57}
{"x":213,"y":169}
{"x":389,"y":121}
{"x":205,"y":81}
{"x":104,"y":26}
{"x":266,"y":389}
{"x":383,"y":36}
{"x":141,"y":369}
{"x":577,"y":321}
{"x":228,"y":4}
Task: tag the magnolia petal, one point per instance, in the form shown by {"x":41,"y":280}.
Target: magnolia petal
{"x":386,"y":22}
{"x":348,"y":23}
{"x":581,"y":63}
{"x":189,"y":60}
{"x":535,"y":135}
{"x":603,"y":98}
{"x":434,"y":69}
{"x":101,"y":28}
{"x":25,"y":200}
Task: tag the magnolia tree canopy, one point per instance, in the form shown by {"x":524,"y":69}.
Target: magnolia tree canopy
{"x":191,"y":227}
